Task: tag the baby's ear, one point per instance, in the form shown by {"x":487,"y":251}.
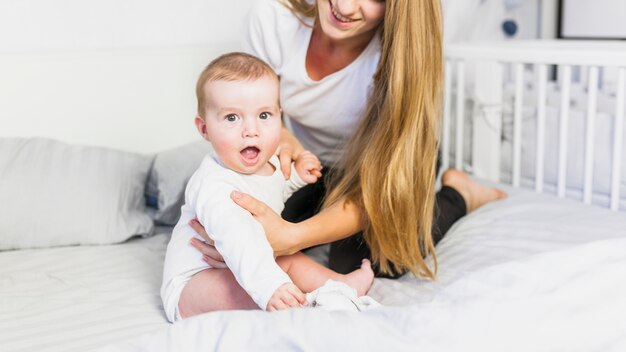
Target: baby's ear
{"x":201,"y":127}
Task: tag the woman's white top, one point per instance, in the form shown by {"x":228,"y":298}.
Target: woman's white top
{"x":321,"y":114}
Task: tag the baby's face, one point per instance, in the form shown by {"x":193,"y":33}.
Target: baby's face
{"x":243,"y":122}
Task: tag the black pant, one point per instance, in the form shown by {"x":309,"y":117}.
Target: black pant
{"x":346,"y":255}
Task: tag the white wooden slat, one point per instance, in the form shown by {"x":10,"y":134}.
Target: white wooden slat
{"x":447,"y":106}
{"x":563,"y":129}
{"x":618,"y":138}
{"x":561,"y":52}
{"x":517,"y":124}
{"x":541,"y":126}
{"x":592,"y":102}
{"x":460,"y":112}
{"x":486,"y":124}
{"x":579,"y":66}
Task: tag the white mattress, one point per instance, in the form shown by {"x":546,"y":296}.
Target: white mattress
{"x":79,"y":298}
{"x":528,"y":270}
{"x":520,"y":228}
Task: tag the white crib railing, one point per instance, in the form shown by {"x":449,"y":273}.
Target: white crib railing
{"x":476,"y":73}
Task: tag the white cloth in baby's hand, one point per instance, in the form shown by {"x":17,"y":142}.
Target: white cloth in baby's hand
{"x":335,"y":295}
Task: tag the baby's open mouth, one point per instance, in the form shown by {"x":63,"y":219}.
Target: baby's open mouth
{"x":250,"y":154}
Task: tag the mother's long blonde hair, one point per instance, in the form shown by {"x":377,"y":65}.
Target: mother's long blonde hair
{"x":388,"y":169}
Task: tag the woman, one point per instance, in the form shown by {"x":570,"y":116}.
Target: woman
{"x":360,"y":87}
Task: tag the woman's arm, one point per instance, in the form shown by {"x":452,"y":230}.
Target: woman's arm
{"x":331,"y":224}
{"x":336,"y":222}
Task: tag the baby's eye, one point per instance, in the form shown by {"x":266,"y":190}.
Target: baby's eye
{"x":231,"y":118}
{"x":264,"y":115}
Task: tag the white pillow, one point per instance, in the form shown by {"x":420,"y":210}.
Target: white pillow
{"x":55,"y":194}
{"x":169,"y":176}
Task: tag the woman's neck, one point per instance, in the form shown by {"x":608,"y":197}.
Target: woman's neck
{"x":326,"y":56}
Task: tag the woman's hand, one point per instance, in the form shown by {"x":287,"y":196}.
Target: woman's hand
{"x":281,"y":234}
{"x":288,"y":150}
{"x":207,"y":247}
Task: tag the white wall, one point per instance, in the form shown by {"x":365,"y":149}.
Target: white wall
{"x":53,"y":25}
{"x":482,"y":19}
{"x":549,"y":13}
{"x":98,"y":54}
{"x":140,"y":100}
{"x":597,"y":18}
{"x":114,"y":73}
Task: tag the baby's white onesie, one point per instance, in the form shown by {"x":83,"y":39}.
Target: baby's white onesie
{"x":238,"y":237}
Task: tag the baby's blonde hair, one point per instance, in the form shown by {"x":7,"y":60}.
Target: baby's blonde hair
{"x":234,"y":66}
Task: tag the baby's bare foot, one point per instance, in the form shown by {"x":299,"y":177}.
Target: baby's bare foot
{"x":360,"y":279}
{"x":474,"y":194}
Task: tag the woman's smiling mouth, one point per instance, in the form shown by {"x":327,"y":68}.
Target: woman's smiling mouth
{"x":338,"y":16}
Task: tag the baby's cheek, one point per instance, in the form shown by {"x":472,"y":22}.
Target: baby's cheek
{"x":273,"y":140}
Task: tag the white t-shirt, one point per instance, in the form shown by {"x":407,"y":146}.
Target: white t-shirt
{"x":238,"y":237}
{"x":321,"y":114}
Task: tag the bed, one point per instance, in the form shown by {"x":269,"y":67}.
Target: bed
{"x":536,"y":271}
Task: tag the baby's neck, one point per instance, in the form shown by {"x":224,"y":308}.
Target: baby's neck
{"x":267,"y":170}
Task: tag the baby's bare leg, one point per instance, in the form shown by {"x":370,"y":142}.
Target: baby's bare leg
{"x":309,"y":275}
{"x":211,"y":290}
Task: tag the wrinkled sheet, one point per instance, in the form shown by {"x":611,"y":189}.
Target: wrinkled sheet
{"x":530,"y":273}
{"x":81,"y":298}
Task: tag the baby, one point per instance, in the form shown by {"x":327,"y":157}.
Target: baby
{"x":239,"y":113}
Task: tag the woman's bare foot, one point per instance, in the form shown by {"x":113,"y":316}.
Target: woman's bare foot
{"x":474,"y":194}
{"x":360,"y":279}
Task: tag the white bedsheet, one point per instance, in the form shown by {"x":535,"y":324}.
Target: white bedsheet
{"x":545,"y":303}
{"x":80,"y":298}
{"x":531,"y":273}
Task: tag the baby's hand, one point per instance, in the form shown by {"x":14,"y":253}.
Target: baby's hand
{"x":286,"y":296}
{"x":308,"y":167}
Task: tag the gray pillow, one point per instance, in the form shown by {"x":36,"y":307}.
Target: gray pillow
{"x":169,"y":176}
{"x":56,"y":194}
